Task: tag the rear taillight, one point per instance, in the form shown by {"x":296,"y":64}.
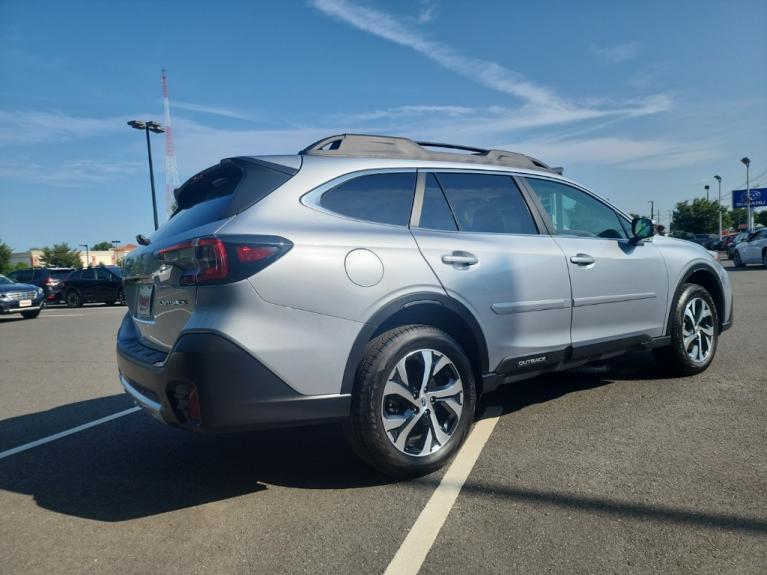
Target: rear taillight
{"x":221,"y":259}
{"x":52,"y":282}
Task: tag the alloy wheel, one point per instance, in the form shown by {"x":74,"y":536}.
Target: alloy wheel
{"x":698,"y":330}
{"x":422,"y":402}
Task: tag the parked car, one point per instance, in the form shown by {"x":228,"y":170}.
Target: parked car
{"x":26,"y":299}
{"x":385,"y":284}
{"x":47,"y":278}
{"x":101,"y":284}
{"x":726,"y":241}
{"x":739,"y":237}
{"x":753,"y":250}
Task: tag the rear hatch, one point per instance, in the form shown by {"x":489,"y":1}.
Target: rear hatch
{"x":161,"y":279}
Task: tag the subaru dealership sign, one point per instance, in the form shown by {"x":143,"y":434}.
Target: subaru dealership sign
{"x":758,"y":198}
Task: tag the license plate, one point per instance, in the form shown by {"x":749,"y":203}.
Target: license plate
{"x":144,"y":303}
{"x":25,"y":303}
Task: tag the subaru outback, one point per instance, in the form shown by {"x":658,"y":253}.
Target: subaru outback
{"x":386,"y":284}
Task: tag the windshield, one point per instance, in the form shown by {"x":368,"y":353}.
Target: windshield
{"x":4,"y":280}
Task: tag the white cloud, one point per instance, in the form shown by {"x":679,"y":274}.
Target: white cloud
{"x":69,"y":173}
{"x":489,"y":74}
{"x":617,"y":54}
{"x":34,"y":127}
{"x":538,"y":100}
{"x":427,"y":13}
{"x":213,"y":110}
{"x":642,"y":154}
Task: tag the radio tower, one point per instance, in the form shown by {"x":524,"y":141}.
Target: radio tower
{"x":171,"y":169}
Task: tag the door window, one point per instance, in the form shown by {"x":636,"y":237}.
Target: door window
{"x":89,"y":274}
{"x":576,"y":213}
{"x":382,"y":198}
{"x":103,"y":274}
{"x":435,"y":213}
{"x":487,"y":203}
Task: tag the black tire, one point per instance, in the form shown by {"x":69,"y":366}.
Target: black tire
{"x":675,"y":358}
{"x":737,"y":260}
{"x":30,"y":314}
{"x":365,"y":429}
{"x":73,"y":299}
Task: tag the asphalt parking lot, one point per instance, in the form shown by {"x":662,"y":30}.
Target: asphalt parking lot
{"x":608,"y":469}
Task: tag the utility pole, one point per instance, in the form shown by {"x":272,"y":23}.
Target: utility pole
{"x":652,"y":209}
{"x":719,"y":205}
{"x":747,"y":163}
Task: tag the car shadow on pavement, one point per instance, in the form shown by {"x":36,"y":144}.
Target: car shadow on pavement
{"x":634,"y":365}
{"x":134,"y":467}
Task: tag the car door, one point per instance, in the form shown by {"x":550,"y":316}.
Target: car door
{"x":104,"y":285}
{"x":751,"y":252}
{"x":86,"y":284}
{"x":619,"y":286}
{"x":479,"y":236}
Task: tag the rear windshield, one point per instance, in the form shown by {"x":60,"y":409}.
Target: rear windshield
{"x":222,"y":191}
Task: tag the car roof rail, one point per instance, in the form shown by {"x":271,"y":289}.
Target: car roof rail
{"x":370,"y":146}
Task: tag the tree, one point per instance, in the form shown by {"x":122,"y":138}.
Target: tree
{"x":761,"y":218}
{"x":102,"y":246}
{"x":5,"y":256}
{"x":60,"y":255}
{"x":738,"y":216}
{"x":700,"y":217}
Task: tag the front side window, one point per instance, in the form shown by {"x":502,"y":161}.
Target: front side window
{"x":381,"y":198}
{"x":576,"y":213}
{"x":103,"y":274}
{"x":487,"y":203}
{"x":89,"y":274}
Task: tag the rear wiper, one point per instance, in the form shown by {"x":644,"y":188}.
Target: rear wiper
{"x":143,"y":240}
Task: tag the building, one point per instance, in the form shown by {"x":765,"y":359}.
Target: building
{"x":33,"y":258}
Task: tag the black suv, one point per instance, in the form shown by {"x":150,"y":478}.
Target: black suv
{"x":94,"y":285}
{"x":50,"y":279}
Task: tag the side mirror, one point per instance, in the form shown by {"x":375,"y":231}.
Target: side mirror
{"x":641,"y":228}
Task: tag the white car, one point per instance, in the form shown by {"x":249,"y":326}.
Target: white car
{"x":753,"y":250}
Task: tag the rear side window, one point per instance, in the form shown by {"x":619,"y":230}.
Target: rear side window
{"x":487,"y":203}
{"x":382,"y":198}
{"x":576,"y":213}
{"x":89,"y":274}
{"x":61,"y":274}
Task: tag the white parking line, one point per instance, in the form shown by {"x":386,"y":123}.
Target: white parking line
{"x":414,"y":549}
{"x":61,"y":434}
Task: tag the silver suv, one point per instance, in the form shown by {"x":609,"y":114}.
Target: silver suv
{"x":387,"y":284}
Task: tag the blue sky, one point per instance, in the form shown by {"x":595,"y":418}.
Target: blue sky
{"x":638,"y":101}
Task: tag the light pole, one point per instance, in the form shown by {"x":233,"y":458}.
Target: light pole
{"x":652,"y":208}
{"x":114,"y":250}
{"x":719,"y":204}
{"x":155,"y":127}
{"x":87,"y":255}
{"x":670,"y":219}
{"x":747,"y":162}
{"x":706,"y":187}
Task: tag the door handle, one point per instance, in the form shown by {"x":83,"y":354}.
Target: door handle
{"x":460,"y":259}
{"x":582,"y":259}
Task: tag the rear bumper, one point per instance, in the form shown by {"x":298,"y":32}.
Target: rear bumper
{"x":235,"y":390}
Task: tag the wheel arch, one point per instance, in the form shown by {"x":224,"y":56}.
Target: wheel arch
{"x":706,"y":277}
{"x":432,"y":309}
